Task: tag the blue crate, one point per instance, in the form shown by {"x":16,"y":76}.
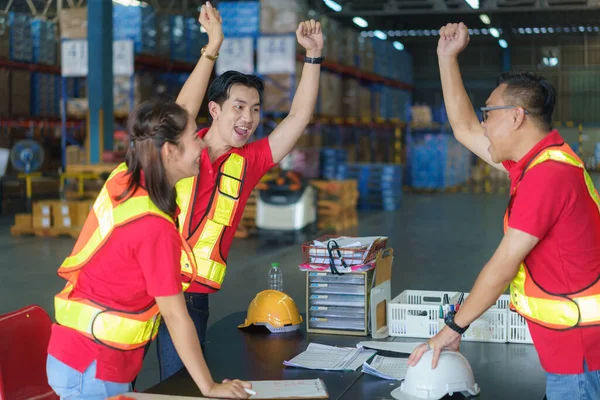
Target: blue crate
{"x":21,"y":37}
{"x":436,"y":161}
{"x":178,"y":41}
{"x":240,"y":18}
{"x":44,"y":41}
{"x":195,"y":40}
{"x":137,"y":24}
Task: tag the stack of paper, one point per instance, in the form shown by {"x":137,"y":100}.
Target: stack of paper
{"x":319,"y":254}
{"x":331,"y":358}
{"x":387,"y":367}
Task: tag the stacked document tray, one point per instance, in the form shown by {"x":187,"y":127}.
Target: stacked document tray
{"x":338,"y":304}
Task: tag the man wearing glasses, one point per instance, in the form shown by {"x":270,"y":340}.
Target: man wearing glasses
{"x":550,"y":252}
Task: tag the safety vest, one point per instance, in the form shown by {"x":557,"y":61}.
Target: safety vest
{"x":114,"y":328}
{"x":559,"y":311}
{"x":205,"y":239}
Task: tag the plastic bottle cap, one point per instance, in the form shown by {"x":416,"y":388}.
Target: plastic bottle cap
{"x":274,"y":264}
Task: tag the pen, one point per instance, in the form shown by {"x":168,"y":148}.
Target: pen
{"x":250,"y":392}
{"x":460,"y":299}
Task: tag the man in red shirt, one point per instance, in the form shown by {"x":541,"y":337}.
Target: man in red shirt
{"x":551,"y":246}
{"x":234,"y":104}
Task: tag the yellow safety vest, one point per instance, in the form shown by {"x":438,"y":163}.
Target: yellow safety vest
{"x":114,"y":328}
{"x":559,"y":311}
{"x":205,"y":239}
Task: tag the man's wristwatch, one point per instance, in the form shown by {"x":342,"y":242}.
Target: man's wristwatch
{"x":313,"y":60}
{"x":449,"y":320}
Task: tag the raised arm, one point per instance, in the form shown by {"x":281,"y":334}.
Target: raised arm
{"x":194,"y":89}
{"x":285,"y":136}
{"x":467,"y":129}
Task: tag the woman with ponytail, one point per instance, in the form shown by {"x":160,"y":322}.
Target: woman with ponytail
{"x":124,"y":273}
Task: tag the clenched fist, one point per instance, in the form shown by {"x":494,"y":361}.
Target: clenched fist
{"x":454,"y":38}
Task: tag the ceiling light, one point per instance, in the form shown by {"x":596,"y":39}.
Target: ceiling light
{"x":484,"y":31}
{"x":581,"y":29}
{"x":470,"y":31}
{"x":567,"y":29}
{"x":494,"y":32}
{"x":434,"y":32}
{"x":419,"y":33}
{"x":476,"y":31}
{"x":521,"y":31}
{"x":380,"y":35}
{"x":596,"y":29}
{"x":473,"y":3}
{"x":333,"y":5}
{"x":391,"y":33}
{"x":364,"y":34}
{"x":426,"y":32}
{"x":360,"y":22}
{"x":371,"y":34}
{"x":398,"y":46}
{"x":484,"y":18}
{"x":536,"y":30}
{"x":503,"y":43}
{"x":412,"y":33}
{"x":589,"y":28}
{"x":551,"y":30}
{"x":543,"y":30}
{"x":528,"y":31}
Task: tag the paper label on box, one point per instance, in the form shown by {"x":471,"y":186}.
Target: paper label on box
{"x":276,"y":55}
{"x":236,"y":54}
{"x":317,"y":296}
{"x":319,"y":285}
{"x":65,"y":210}
{"x":46,"y":222}
{"x":45,"y":210}
{"x":67,"y":222}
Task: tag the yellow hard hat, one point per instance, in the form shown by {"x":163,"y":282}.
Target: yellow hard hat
{"x":275,"y":310}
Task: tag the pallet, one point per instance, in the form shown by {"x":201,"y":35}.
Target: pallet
{"x":45,"y":232}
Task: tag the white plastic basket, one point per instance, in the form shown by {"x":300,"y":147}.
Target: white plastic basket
{"x":518,"y":330}
{"x":415,"y":313}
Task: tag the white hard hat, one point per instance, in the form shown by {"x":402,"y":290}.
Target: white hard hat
{"x":453,"y":374}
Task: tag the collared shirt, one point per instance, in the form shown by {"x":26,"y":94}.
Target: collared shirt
{"x":259,"y":160}
{"x":552,"y":203}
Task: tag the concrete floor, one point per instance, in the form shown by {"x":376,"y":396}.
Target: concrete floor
{"x":440,"y":242}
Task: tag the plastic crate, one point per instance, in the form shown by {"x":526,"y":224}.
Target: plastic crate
{"x":415,"y":313}
{"x":518,"y":330}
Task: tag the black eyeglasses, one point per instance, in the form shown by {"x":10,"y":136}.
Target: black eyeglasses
{"x":485,"y":110}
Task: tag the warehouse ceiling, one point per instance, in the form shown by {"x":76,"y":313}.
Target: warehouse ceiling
{"x":414,"y":19}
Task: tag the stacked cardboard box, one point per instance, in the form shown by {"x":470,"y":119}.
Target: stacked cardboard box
{"x":20,"y":98}
{"x":4,"y":37}
{"x":337,"y":202}
{"x":21,"y":38}
{"x":350,"y":99}
{"x":282,"y":16}
{"x":73,"y":23}
{"x":330,"y":97}
{"x":279,"y":90}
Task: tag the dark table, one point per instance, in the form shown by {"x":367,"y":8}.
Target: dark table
{"x":255,"y":354}
{"x":502,"y":371}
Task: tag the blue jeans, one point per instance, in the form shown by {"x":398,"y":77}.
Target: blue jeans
{"x":168,"y":359}
{"x":585,"y":386}
{"x":70,"y":384}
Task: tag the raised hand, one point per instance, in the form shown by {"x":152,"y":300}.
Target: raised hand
{"x":454,"y":38}
{"x":211,"y":21}
{"x":310,"y":36}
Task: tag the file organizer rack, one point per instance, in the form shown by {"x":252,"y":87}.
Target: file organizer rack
{"x":339,"y":304}
{"x":415,"y":313}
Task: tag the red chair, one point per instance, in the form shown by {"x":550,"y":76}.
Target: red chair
{"x":24,"y":336}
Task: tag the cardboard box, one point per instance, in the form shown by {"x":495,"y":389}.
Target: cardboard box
{"x":73,"y":23}
{"x":42,"y":215}
{"x":278,"y":93}
{"x":350,"y":102}
{"x":330,"y":99}
{"x":282,"y":16}
{"x":364,"y":103}
{"x":64,"y":214}
{"x":23,"y":221}
{"x":4,"y":93}
{"x":20,"y":86}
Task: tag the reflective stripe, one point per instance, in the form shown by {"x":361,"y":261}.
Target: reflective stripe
{"x":114,"y":328}
{"x":108,"y":327}
{"x":133,"y":208}
{"x":206,"y":243}
{"x":553,"y":311}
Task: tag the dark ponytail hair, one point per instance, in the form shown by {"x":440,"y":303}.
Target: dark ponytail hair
{"x":152,"y":124}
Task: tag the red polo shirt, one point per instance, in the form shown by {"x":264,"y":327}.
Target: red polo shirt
{"x":139,"y":261}
{"x":552,"y":203}
{"x":259,"y":161}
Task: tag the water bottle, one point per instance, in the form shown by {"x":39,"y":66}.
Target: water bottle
{"x":275,"y":277}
